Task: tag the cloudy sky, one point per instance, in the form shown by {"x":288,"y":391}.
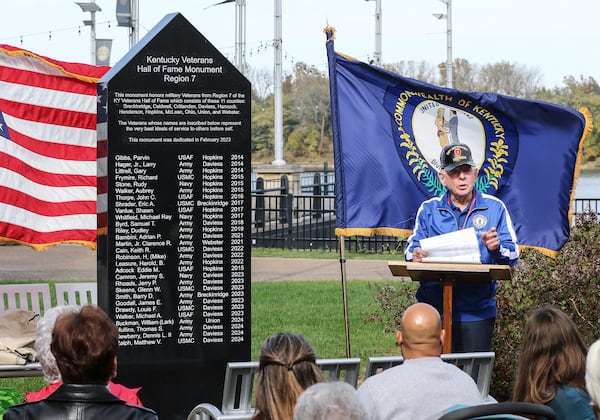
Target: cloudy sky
{"x":556,"y":38}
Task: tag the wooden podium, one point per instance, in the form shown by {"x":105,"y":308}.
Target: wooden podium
{"x":448,"y":275}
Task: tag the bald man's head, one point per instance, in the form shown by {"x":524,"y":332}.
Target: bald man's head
{"x":421,"y":333}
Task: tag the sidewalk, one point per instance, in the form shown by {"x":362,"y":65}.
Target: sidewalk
{"x":76,"y":262}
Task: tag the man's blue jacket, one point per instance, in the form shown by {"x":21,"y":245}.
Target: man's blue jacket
{"x":472,"y":301}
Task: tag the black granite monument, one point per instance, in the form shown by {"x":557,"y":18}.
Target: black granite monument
{"x":174,"y":268}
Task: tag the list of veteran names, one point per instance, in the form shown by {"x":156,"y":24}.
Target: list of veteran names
{"x":202,"y":263}
{"x":140,"y":253}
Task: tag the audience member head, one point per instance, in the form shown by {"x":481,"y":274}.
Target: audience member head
{"x":421,"y":333}
{"x":329,"y":401}
{"x":85,"y":346}
{"x":43,"y":339}
{"x":592,"y":376}
{"x":287,"y":367}
{"x":552,"y":354}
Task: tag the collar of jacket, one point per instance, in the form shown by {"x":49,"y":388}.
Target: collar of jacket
{"x":83,"y":393}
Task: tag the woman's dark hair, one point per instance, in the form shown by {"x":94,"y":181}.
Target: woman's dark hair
{"x":85,"y":346}
{"x":552,"y":354}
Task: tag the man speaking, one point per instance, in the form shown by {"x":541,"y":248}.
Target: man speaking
{"x":461,"y":207}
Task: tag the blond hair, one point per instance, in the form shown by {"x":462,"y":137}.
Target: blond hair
{"x":287,"y":367}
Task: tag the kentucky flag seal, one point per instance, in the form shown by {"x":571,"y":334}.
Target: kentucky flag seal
{"x":388,"y":132}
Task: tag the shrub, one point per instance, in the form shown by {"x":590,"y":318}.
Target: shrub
{"x":571,"y":282}
{"x":389,"y":302}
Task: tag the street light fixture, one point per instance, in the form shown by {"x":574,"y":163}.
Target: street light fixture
{"x":278,"y":88}
{"x":377,"y":59}
{"x":448,"y":17}
{"x":240,"y":33}
{"x":92,"y":8}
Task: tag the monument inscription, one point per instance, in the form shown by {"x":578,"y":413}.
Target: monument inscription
{"x":178,"y":252}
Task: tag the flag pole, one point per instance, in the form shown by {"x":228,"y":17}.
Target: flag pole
{"x":329,"y":31}
{"x":342,"y":248}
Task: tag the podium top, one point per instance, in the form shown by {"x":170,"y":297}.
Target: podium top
{"x":441,"y":271}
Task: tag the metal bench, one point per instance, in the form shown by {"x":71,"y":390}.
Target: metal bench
{"x":34,"y":297}
{"x":478,"y":365}
{"x":340,"y":369}
{"x":76,"y":293}
{"x":239,"y":386}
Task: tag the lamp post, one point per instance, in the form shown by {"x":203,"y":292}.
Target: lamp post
{"x":127,"y":15}
{"x":278,"y":89}
{"x":92,"y":8}
{"x":240,"y":33}
{"x":448,"y":17}
{"x":135,"y":30}
{"x":377,"y":59}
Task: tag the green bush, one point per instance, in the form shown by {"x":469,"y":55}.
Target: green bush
{"x":571,"y":282}
{"x":389,"y":302}
{"x":8,"y":398}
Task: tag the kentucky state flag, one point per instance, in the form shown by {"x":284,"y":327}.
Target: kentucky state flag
{"x":388,"y":132}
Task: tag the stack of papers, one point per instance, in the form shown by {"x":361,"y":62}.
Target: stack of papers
{"x":461,"y":246}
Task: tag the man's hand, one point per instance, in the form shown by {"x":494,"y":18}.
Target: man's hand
{"x":490,"y":239}
{"x":419,"y":254}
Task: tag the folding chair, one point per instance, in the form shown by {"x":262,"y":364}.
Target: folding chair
{"x":496,"y":411}
{"x":340,"y":369}
{"x":239,"y":386}
{"x":478,"y":365}
{"x":237,"y":395}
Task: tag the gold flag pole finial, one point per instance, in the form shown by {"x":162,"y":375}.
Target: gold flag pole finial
{"x":329,"y":29}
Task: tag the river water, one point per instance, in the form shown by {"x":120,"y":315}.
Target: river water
{"x":588,"y":185}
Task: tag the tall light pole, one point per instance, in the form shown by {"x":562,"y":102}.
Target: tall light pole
{"x":135,"y":24}
{"x":448,"y":17}
{"x":377,"y":59}
{"x":240,"y":33}
{"x":127,"y":14}
{"x":278,"y":89}
{"x":92,"y":8}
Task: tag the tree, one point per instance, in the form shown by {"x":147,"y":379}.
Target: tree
{"x":262,"y":128}
{"x":465,"y":75}
{"x":262,"y":82}
{"x":306,"y":109}
{"x":509,"y":79}
{"x":578,"y":93}
{"x":421,"y":70}
{"x":311,"y":104}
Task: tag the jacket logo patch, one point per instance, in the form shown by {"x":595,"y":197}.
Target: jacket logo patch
{"x":479,"y":221}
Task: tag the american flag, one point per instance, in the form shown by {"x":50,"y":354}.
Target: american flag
{"x":48,"y":150}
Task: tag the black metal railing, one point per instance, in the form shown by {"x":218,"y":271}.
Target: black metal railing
{"x":583,"y":205}
{"x":306,"y":221}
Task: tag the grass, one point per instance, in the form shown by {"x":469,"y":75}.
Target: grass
{"x":23,"y":384}
{"x":311,"y":308}
{"x":322,"y":254}
{"x":315,"y":310}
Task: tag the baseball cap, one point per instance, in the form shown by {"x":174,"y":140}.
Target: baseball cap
{"x":455,"y":155}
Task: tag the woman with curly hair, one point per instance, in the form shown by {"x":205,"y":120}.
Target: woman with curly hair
{"x":287,"y":367}
{"x":551,"y":367}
